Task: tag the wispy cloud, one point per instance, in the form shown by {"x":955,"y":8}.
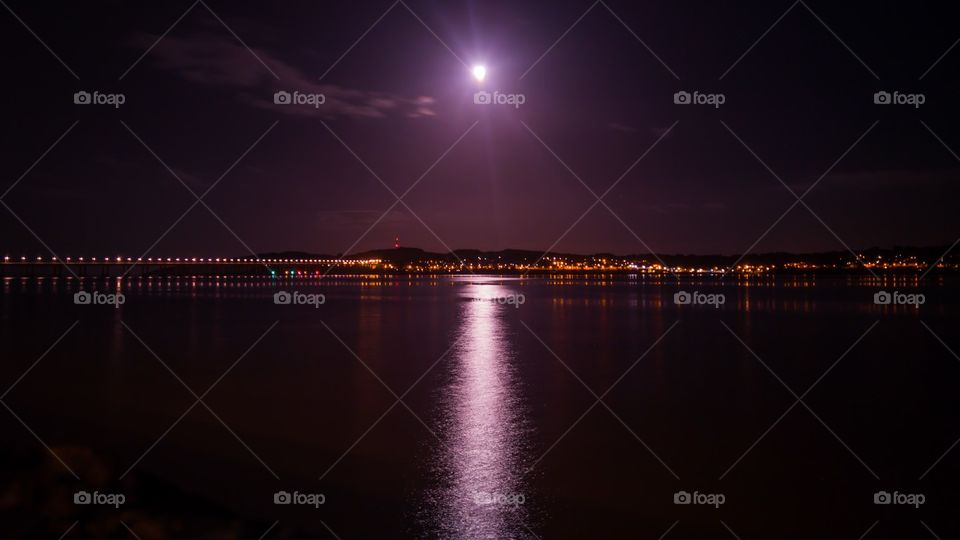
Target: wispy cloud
{"x":215,"y":61}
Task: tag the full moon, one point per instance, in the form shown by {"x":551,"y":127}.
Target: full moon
{"x":479,"y":73}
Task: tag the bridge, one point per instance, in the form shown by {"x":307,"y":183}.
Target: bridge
{"x":180,"y":266}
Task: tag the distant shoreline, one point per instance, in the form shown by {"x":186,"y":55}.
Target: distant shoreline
{"x":415,"y":261}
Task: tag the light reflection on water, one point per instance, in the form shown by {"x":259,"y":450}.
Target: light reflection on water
{"x":480,"y":490}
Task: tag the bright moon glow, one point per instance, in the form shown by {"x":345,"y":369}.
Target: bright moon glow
{"x":479,"y":72}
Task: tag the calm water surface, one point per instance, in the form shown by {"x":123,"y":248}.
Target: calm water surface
{"x":439,"y":408}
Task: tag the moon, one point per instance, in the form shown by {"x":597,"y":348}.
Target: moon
{"x":479,"y":73}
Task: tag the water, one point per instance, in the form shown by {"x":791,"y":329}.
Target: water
{"x":467,"y":407}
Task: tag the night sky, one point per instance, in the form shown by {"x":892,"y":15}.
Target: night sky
{"x":203,"y":97}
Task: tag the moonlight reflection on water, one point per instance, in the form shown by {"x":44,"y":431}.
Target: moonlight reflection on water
{"x":480,"y":465}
